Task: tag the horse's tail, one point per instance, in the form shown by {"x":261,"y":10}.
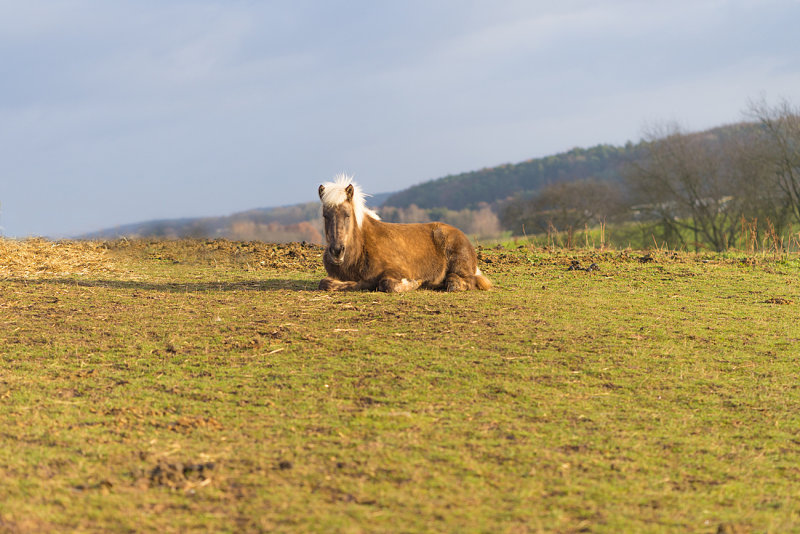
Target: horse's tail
{"x":481,"y":282}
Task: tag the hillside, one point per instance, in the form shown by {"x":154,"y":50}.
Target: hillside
{"x":278,"y":224}
{"x":298,"y":222}
{"x":466,"y":190}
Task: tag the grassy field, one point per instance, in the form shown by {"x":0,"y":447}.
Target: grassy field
{"x":192,"y":385}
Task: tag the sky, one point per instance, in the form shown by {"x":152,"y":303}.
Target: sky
{"x":120,"y":111}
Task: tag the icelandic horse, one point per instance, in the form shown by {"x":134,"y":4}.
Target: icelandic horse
{"x":364,"y":252}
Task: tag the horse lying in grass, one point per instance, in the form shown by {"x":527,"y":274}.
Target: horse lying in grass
{"x":365,"y":253}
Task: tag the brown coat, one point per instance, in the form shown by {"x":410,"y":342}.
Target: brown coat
{"x":395,"y":257}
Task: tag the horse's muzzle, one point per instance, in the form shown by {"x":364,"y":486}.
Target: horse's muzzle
{"x":336,"y":255}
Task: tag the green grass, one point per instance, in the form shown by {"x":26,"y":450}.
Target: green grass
{"x":212,"y":387}
{"x":651,"y":234}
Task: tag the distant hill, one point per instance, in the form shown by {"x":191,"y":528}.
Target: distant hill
{"x":279,"y":224}
{"x":298,"y":222}
{"x":467,"y":190}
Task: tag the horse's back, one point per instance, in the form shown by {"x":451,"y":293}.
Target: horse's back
{"x":429,"y":251}
{"x":414,"y":243}
{"x":422,"y":238}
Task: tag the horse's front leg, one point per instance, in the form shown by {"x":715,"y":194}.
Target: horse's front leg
{"x":332,"y":284}
{"x":393,"y":285}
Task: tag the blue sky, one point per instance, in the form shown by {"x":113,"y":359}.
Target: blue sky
{"x":117,"y":111}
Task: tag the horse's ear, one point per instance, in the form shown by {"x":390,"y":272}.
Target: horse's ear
{"x":349,"y":191}
{"x":321,"y":191}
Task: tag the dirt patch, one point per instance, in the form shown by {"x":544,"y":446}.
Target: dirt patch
{"x":734,"y":528}
{"x":13,"y":525}
{"x":576,"y":266}
{"x":499,"y":259}
{"x":778,"y":300}
{"x":187,"y":424}
{"x":178,"y":475}
{"x":246,"y":255}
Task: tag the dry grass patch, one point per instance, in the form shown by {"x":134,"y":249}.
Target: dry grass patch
{"x":38,"y":258}
{"x":239,"y":255}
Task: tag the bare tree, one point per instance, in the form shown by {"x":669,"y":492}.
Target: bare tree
{"x":564,"y":206}
{"x":750,"y":160}
{"x":411,"y":214}
{"x":689,"y":182}
{"x":780,"y":128}
{"x":575,"y":204}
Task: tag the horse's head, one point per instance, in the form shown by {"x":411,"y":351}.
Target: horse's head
{"x":340,"y":224}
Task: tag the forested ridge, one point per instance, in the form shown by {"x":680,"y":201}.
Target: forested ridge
{"x":468,"y":189}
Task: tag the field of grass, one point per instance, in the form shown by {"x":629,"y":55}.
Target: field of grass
{"x":193,"y":385}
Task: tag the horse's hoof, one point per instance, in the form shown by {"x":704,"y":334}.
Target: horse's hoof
{"x":456,"y":284}
{"x":386,"y":286}
{"x":327,"y":284}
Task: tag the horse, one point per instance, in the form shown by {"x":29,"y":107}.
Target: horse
{"x":365,"y":253}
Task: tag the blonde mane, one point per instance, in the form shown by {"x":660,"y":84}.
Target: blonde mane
{"x":335,"y":194}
